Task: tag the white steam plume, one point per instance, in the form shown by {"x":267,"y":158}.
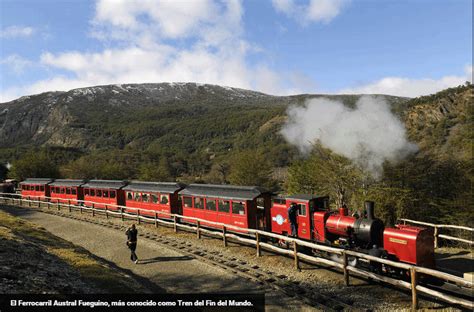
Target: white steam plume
{"x":369,"y":134}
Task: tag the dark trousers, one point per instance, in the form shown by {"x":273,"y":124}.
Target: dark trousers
{"x":133,"y":255}
{"x":294,"y":229}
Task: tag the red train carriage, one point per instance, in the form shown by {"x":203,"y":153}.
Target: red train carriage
{"x":307,"y":205}
{"x":242,"y":206}
{"x":104,"y":192}
{"x":66,"y":191}
{"x":35,"y":188}
{"x":153,"y":196}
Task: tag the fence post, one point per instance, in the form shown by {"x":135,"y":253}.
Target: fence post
{"x":435,"y":237}
{"x":295,"y":251}
{"x":346,"y":272}
{"x":80,"y":206}
{"x":138,"y":216}
{"x":156,"y":219}
{"x":257,"y":238}
{"x":69,"y":204}
{"x":93,"y":210}
{"x":198,"y":232}
{"x":224,"y":238}
{"x":414,"y":296}
{"x":174,"y":224}
{"x":29,"y":201}
{"x":106,"y":212}
{"x":49,"y":203}
{"x":121,"y":213}
{"x":57,"y":204}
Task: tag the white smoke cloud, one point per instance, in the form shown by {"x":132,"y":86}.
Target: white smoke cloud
{"x":369,"y":134}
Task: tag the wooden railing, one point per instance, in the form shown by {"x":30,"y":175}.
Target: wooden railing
{"x":254,"y":238}
{"x":437,"y":228}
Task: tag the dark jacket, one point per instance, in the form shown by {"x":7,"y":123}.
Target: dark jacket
{"x":132,"y":235}
{"x":292,"y":213}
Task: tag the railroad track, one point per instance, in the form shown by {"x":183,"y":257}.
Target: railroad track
{"x":265,"y":279}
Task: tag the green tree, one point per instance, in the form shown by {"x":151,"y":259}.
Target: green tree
{"x":156,"y":171}
{"x":34,"y":165}
{"x":251,"y":168}
{"x":325,"y":172}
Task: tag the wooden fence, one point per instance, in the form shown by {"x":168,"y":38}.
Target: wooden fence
{"x":437,"y":228}
{"x":254,"y":238}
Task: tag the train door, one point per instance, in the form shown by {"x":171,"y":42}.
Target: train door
{"x":304,"y":224}
{"x":260,"y":214}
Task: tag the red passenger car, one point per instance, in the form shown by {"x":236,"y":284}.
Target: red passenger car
{"x":104,"y":192}
{"x":66,"y":191}
{"x":242,"y":206}
{"x":153,"y":196}
{"x":307,"y":206}
{"x":35,"y":188}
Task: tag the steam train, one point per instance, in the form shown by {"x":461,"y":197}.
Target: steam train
{"x":248,"y":207}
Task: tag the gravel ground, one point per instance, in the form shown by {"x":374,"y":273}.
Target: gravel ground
{"x":363,"y":294}
{"x":170,"y":270}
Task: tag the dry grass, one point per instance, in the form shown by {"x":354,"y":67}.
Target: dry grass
{"x":91,"y":269}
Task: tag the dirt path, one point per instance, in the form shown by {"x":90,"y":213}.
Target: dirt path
{"x":168,"y":269}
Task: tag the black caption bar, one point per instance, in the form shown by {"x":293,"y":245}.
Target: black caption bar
{"x":127,"y":302}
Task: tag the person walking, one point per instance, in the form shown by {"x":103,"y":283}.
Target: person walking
{"x":132,"y":234}
{"x":292,"y":212}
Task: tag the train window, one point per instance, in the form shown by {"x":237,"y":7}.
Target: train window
{"x":238,"y":208}
{"x":105,"y":193}
{"x":198,"y":202}
{"x":42,"y":188}
{"x":278,"y":201}
{"x":73,"y":191}
{"x":302,"y":210}
{"x":63,"y":190}
{"x":86,"y":192}
{"x":136,"y":196}
{"x":92,"y":192}
{"x":68,"y":191}
{"x":164,"y":199}
{"x":129,"y":195}
{"x":112,"y":194}
{"x":224,"y":206}
{"x":37,"y":188}
{"x":211,"y":204}
{"x":98,"y":193}
{"x":154,"y":198}
{"x":145,"y":197}
{"x":188,"y":201}
{"x":260,"y":203}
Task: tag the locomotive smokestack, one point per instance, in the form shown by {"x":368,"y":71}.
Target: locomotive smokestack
{"x":369,"y":207}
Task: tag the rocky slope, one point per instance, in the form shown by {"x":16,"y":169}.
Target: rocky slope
{"x":118,"y":115}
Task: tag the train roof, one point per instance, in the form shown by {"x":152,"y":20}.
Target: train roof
{"x":307,"y":197}
{"x":162,"y":187}
{"x":67,"y":182}
{"x":108,"y":184}
{"x":224,"y":191}
{"x":37,"y":181}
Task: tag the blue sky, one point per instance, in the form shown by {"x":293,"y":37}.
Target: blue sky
{"x":406,"y":48}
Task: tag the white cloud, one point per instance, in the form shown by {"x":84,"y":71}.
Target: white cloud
{"x":16,"y":31}
{"x":142,"y":37}
{"x":313,"y":11}
{"x":411,"y":87}
{"x":16,"y":63}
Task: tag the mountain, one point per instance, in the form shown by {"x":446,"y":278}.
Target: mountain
{"x":140,"y":116}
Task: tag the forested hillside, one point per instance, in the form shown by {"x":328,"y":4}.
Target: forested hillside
{"x":212,"y":134}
